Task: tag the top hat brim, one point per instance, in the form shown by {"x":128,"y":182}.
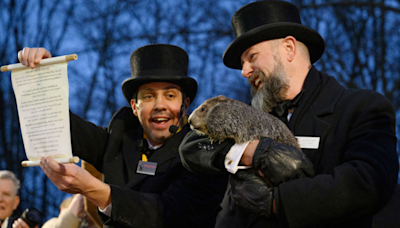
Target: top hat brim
{"x":309,"y":37}
{"x":187,"y":84}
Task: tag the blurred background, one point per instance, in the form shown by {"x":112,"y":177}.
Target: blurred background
{"x":362,"y":51}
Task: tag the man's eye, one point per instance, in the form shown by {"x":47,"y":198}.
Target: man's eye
{"x":147,"y":96}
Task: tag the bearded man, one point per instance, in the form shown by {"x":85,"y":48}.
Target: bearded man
{"x":347,"y":134}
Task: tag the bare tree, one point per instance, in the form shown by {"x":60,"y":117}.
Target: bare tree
{"x":27,"y":23}
{"x":361,"y":38}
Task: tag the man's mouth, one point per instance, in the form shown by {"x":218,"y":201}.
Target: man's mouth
{"x":256,"y":79}
{"x":257,"y":82}
{"x":160,"y":120}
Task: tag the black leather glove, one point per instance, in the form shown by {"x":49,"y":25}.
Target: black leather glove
{"x":201,"y":156}
{"x":251,"y":193}
{"x":280,"y":163}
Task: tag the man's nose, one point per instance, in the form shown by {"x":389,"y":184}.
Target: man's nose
{"x":247,"y":70}
{"x":159,"y":104}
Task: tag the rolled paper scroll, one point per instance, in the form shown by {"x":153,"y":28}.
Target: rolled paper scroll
{"x":42,"y":97}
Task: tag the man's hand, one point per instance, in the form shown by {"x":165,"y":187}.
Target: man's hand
{"x":73,"y":179}
{"x":32,"y":56}
{"x":251,"y":193}
{"x":69,"y":178}
{"x":200,"y":155}
{"x":19,"y":223}
{"x":77,"y":206}
{"x":280,"y":163}
{"x":247,"y":157}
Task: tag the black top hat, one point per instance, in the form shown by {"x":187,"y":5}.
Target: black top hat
{"x":159,"y":63}
{"x":267,"y":20}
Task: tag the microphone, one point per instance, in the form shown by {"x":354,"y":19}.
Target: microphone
{"x":173,"y":128}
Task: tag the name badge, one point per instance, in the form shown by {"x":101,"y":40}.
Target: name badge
{"x":308,"y":142}
{"x":148,"y":168}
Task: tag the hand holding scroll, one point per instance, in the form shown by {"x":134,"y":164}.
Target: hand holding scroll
{"x":66,"y":177}
{"x":74,"y":179}
{"x":42,"y":100}
{"x":32,"y":56}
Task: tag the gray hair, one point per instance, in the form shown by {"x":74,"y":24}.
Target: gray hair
{"x":8,"y":175}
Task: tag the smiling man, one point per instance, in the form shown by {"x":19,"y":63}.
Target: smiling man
{"x":167,"y":99}
{"x":145,"y":182}
{"x":347,"y":134}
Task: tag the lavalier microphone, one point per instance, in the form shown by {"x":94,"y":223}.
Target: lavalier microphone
{"x":173,"y":128}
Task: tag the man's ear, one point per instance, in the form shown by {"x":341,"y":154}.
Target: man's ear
{"x":135,"y":107}
{"x":16,"y":202}
{"x":290,"y":46}
{"x":187,"y":103}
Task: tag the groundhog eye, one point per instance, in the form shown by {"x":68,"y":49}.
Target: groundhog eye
{"x":203,"y":109}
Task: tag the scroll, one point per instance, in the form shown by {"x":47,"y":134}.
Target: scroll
{"x":43,"y":109}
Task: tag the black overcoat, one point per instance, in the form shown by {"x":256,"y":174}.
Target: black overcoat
{"x":173,"y":197}
{"x":356,"y":163}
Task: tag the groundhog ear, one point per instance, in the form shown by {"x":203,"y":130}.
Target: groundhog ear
{"x":222,"y":98}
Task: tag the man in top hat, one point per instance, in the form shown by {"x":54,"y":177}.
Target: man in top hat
{"x":145,"y":182}
{"x":348,"y":134}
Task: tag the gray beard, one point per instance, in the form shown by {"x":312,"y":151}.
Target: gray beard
{"x":274,"y":89}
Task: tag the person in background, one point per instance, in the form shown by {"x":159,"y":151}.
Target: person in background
{"x":9,"y":198}
{"x":347,"y":134}
{"x":10,"y":213}
{"x":72,"y":215}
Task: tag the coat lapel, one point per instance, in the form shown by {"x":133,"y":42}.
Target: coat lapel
{"x":132,"y":156}
{"x":321,"y":95}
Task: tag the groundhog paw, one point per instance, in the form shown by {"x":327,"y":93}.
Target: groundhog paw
{"x":199,"y":132}
{"x":219,"y":141}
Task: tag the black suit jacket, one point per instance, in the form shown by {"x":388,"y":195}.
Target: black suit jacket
{"x":173,"y":197}
{"x":356,"y":163}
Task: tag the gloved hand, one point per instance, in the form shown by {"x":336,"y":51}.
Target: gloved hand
{"x":201,"y":156}
{"x":280,"y":163}
{"x":251,"y":193}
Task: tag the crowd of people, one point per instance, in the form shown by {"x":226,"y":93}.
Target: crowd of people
{"x":159,"y":173}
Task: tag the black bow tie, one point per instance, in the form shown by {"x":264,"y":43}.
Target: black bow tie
{"x":282,"y":108}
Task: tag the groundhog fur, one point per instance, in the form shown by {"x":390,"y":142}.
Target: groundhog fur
{"x":221,"y":117}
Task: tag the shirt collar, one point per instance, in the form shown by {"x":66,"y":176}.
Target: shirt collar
{"x":151,"y":147}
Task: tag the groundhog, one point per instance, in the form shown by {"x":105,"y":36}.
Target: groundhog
{"x":221,"y":118}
